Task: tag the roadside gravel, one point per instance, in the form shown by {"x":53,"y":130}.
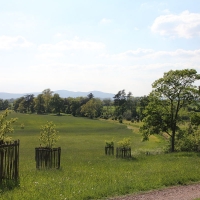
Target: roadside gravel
{"x":187,"y":192}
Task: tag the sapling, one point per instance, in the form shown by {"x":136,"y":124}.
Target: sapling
{"x":110,"y":143}
{"x":6,"y":126}
{"x":125,"y":143}
{"x":48,"y":135}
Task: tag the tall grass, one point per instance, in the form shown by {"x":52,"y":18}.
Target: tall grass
{"x":86,"y":173}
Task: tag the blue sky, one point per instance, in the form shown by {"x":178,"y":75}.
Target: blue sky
{"x":104,"y":45}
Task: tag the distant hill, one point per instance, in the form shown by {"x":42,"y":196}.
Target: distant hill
{"x":62,"y":93}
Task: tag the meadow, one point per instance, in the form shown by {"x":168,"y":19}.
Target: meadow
{"x":86,"y":172}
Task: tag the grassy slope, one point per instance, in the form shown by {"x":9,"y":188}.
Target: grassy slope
{"x":86,"y":173}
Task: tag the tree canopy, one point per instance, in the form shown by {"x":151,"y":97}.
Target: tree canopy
{"x":171,"y":93}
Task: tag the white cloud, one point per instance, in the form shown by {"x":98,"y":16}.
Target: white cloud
{"x":166,"y":11}
{"x":17,"y":21}
{"x":105,"y":21}
{"x":184,"y":25}
{"x":58,"y":35}
{"x":8,"y":42}
{"x":150,"y":54}
{"x":75,"y":44}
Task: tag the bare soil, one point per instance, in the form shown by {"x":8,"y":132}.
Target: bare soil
{"x":187,"y":192}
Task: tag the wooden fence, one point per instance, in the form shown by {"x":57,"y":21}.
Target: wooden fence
{"x":123,"y":152}
{"x":9,"y":163}
{"x":47,"y":158}
{"x":109,"y":150}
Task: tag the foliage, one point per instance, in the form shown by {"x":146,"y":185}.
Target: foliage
{"x":6,"y":126}
{"x":92,"y":108}
{"x":4,"y":104}
{"x":142,"y":104}
{"x":110,"y":143}
{"x":48,"y":134}
{"x":90,"y":96}
{"x":22,"y":125}
{"x":29,"y":103}
{"x":120,"y":102}
{"x":128,"y":115}
{"x":39,"y":104}
{"x":125,"y":143}
{"x":172,"y":93}
{"x":56,"y":103}
{"x":47,"y":95}
{"x":188,"y":139}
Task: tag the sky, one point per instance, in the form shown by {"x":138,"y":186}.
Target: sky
{"x":102,"y":45}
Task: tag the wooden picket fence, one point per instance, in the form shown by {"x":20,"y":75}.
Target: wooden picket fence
{"x":123,"y":152}
{"x":109,"y":150}
{"x":9,"y":163}
{"x":47,"y":158}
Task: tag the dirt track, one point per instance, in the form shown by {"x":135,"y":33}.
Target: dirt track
{"x":188,"y":192}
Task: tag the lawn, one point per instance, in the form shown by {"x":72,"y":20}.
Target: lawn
{"x":86,"y":172}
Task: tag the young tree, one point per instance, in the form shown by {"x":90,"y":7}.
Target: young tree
{"x":6,"y":126}
{"x":171,"y":93}
{"x":48,"y":135}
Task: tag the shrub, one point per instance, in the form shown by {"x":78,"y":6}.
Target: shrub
{"x":188,"y":139}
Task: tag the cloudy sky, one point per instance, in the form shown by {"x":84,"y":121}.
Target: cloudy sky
{"x":104,"y":45}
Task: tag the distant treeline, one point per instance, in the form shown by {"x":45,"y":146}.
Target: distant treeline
{"x":121,"y":106}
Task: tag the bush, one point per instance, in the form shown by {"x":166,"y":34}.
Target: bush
{"x":188,"y":139}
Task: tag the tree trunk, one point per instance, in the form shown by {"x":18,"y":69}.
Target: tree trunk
{"x":173,"y":141}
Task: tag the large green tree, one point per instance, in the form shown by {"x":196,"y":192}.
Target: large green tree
{"x":120,"y":102}
{"x":39,"y":104}
{"x":92,"y":108}
{"x":29,"y":103}
{"x":171,"y":93}
{"x":57,"y":103}
{"x":47,"y":95}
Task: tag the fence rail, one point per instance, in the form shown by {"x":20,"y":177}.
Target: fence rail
{"x":9,"y":163}
{"x":47,"y":158}
{"x":109,"y":150}
{"x":123,"y":152}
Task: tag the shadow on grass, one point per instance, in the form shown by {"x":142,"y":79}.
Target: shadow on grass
{"x":7,"y":185}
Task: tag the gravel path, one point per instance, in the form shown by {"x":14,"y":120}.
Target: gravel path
{"x":188,"y":192}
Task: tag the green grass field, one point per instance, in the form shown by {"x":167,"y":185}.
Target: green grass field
{"x":86,"y":172}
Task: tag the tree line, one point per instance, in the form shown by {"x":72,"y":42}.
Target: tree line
{"x":172,"y":108}
{"x":122,"y":106}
